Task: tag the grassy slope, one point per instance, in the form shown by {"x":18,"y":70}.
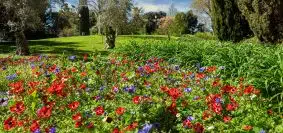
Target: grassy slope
{"x":72,"y":45}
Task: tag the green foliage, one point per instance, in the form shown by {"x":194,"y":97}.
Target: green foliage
{"x":192,"y":21}
{"x":180,"y":24}
{"x":260,"y":64}
{"x":265,"y":18}
{"x":228,"y":22}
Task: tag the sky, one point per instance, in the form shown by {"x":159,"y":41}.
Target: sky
{"x":157,"y":5}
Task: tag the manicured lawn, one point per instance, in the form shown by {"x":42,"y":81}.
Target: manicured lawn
{"x":74,"y":45}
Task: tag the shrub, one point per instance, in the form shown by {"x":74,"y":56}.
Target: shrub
{"x":265,"y":18}
{"x":228,"y":22}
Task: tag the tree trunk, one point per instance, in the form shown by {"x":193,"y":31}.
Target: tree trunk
{"x":21,"y":43}
{"x":110,"y":37}
{"x":99,"y":25}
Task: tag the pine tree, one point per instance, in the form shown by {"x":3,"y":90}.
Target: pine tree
{"x":228,"y":22}
{"x":84,"y":18}
{"x":265,"y":18}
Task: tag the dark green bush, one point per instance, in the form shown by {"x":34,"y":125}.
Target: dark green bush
{"x":265,"y":18}
{"x":228,"y":22}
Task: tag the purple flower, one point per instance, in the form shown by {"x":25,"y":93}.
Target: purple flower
{"x":192,"y":76}
{"x":218,"y":100}
{"x":4,"y":68}
{"x":37,"y":131}
{"x":57,"y":70}
{"x":11,"y":77}
{"x":3,"y":102}
{"x":32,"y":66}
{"x":191,"y":118}
{"x":72,"y":58}
{"x":196,"y":98}
{"x":52,"y":130}
{"x":188,"y":90}
{"x":177,"y":67}
{"x":202,"y":69}
{"x":203,"y":89}
{"x":140,"y":69}
{"x":262,"y":131}
{"x":98,"y":98}
{"x":130,"y":89}
{"x":147,"y":127}
{"x":102,"y":88}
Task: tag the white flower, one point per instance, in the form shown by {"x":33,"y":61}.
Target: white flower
{"x":178,"y":115}
{"x":252,"y":96}
{"x":210,"y":128}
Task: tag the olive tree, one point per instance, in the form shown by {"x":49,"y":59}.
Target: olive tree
{"x":23,"y":14}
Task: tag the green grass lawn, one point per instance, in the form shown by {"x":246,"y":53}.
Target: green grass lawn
{"x":74,"y":45}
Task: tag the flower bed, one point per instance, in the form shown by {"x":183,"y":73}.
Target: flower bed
{"x":116,"y":94}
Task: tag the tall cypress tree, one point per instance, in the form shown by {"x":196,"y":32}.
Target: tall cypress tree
{"x":228,"y":22}
{"x":265,"y":18}
{"x":84,"y":18}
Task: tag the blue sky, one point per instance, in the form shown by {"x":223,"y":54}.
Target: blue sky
{"x":156,"y":5}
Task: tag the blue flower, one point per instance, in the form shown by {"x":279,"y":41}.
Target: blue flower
{"x":72,"y":58}
{"x":192,"y":76}
{"x":222,"y":67}
{"x":191,"y":118}
{"x":3,"y":102}
{"x":147,"y":127}
{"x":32,"y":66}
{"x":37,"y":131}
{"x":52,"y":130}
{"x":102,"y":88}
{"x":262,"y":131}
{"x":11,"y":77}
{"x":140,"y":69}
{"x":177,"y":67}
{"x":202,"y":69}
{"x":218,"y":100}
{"x":57,"y":70}
{"x":130,"y":89}
{"x":188,"y":90}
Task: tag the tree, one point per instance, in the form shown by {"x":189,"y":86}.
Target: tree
{"x":165,"y":26}
{"x":202,"y":6}
{"x":180,"y":24}
{"x":23,"y":14}
{"x":265,"y":18}
{"x":228,"y":22}
{"x":137,"y":21}
{"x":192,"y":21}
{"x":84,"y":18}
{"x":114,"y":16}
{"x":152,"y":19}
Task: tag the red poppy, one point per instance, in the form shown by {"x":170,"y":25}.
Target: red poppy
{"x":248,"y":90}
{"x":18,"y":108}
{"x":74,"y":105}
{"x":83,"y":74}
{"x":77,"y":117}
{"x":74,"y":69}
{"x":20,"y":123}
{"x":187,"y":123}
{"x":247,"y":127}
{"x":136,"y":99}
{"x":78,"y":124}
{"x":198,"y":128}
{"x":175,"y":93}
{"x":173,"y":108}
{"x":211,"y":69}
{"x":217,"y":108}
{"x":216,"y":82}
{"x":229,"y":89}
{"x":227,"y":119}
{"x":120,"y":111}
{"x":83,"y":86}
{"x":270,"y":112}
{"x":164,"y":88}
{"x":116,"y":130}
{"x":34,"y":126}
{"x":200,"y":75}
{"x":56,"y":88}
{"x":132,"y":126}
{"x":10,"y":123}
{"x":206,"y":115}
{"x":44,"y":112}
{"x":99,"y":110}
{"x":85,"y":57}
{"x":17,"y":87}
{"x":90,"y":125}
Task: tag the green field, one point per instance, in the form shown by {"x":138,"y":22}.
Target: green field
{"x":73,"y":45}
